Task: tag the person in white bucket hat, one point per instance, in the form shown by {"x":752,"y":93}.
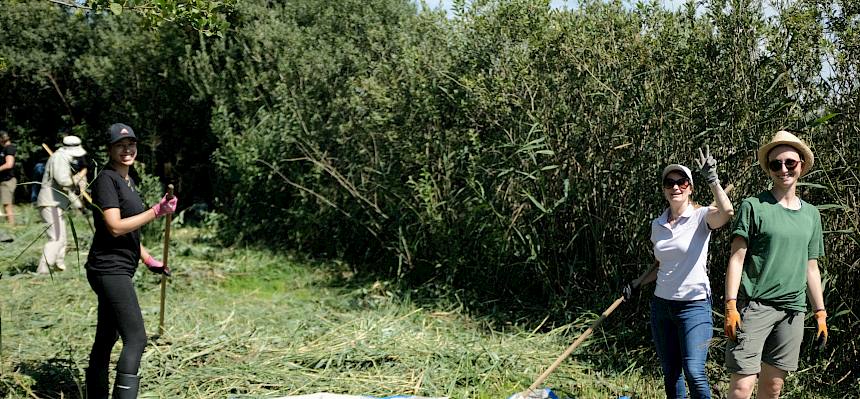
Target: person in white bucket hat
{"x":55,"y":197}
{"x":776,"y":243}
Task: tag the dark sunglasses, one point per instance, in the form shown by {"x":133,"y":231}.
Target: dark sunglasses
{"x":776,"y":165}
{"x":682,"y":183}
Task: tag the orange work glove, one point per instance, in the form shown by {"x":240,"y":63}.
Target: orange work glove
{"x":733,"y":320}
{"x":821,"y":335}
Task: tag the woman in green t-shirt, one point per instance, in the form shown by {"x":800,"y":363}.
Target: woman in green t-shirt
{"x":776,"y":244}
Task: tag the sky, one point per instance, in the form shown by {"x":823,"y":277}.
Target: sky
{"x":446,"y":4}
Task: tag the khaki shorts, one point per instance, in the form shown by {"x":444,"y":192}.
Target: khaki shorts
{"x":7,"y":191}
{"x":767,"y":334}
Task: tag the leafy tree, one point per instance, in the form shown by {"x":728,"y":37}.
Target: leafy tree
{"x":209,"y":17}
{"x":73,"y":72}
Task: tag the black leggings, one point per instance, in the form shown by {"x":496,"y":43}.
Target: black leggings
{"x":119,"y":316}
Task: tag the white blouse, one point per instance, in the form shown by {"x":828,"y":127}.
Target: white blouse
{"x":682,"y":251}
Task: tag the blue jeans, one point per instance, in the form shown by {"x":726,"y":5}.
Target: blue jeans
{"x":682,"y":331}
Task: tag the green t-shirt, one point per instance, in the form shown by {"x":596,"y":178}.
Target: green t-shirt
{"x":780,"y":241}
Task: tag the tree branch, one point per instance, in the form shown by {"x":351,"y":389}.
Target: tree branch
{"x":73,"y":5}
{"x":60,"y":93}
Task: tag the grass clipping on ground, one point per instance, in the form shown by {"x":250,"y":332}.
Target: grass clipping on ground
{"x":247,"y":323}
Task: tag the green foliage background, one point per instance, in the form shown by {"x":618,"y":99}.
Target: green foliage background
{"x":511,"y":151}
{"x":68,"y":71}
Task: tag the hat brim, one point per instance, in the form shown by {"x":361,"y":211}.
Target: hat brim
{"x":803,"y":149}
{"x":130,"y":137}
{"x":76,"y":151}
{"x":675,"y":167}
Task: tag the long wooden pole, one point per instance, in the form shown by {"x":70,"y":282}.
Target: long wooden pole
{"x":164,"y":254}
{"x":572,"y":347}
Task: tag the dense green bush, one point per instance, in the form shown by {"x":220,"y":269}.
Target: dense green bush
{"x":514,"y":150}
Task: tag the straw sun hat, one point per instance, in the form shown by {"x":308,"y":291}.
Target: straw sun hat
{"x":783,"y":137}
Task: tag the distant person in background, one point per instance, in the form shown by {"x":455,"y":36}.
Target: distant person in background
{"x":777,"y":240}
{"x":7,"y":176}
{"x":59,"y":184}
{"x":38,"y":173}
{"x":681,"y":323}
{"x":37,"y":159}
{"x":113,"y":259}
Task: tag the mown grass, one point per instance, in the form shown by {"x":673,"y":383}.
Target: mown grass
{"x":247,"y":323}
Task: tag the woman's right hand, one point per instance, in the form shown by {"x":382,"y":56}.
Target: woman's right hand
{"x":156,"y":266}
{"x":165,"y":206}
{"x":629,"y":290}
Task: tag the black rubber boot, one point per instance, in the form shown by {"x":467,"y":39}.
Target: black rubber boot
{"x":97,"y":383}
{"x":125,"y":386}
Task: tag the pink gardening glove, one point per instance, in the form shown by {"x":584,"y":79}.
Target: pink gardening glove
{"x":165,"y":206}
{"x":156,"y":266}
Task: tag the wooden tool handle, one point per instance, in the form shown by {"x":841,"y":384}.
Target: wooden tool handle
{"x":573,"y":346}
{"x":164,"y":256}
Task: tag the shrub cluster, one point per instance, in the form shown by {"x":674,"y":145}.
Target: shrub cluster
{"x":514,"y":150}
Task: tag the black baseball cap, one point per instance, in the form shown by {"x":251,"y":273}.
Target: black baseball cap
{"x":119,"y":131}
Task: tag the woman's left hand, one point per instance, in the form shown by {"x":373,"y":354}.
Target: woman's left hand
{"x":821,"y":334}
{"x":156,"y":266}
{"x":707,"y":166}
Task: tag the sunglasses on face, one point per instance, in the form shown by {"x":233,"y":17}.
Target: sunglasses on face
{"x":682,"y":183}
{"x":776,"y":165}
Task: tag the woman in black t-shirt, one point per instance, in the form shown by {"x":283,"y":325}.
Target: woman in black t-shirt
{"x":111,"y":264}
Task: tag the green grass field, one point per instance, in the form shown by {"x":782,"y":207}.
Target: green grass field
{"x":250,"y":323}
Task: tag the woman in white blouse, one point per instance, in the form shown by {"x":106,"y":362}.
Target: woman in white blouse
{"x":681,"y":323}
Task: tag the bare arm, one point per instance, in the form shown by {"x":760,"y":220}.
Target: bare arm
{"x":720,"y":214}
{"x":118,"y":226}
{"x":143,"y":253}
{"x":8,"y":162}
{"x":649,"y":276}
{"x":813,"y":285}
{"x":736,"y":267}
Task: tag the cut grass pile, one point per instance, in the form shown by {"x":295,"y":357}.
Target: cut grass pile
{"x":249,"y":323}
{"x":246,"y":322}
